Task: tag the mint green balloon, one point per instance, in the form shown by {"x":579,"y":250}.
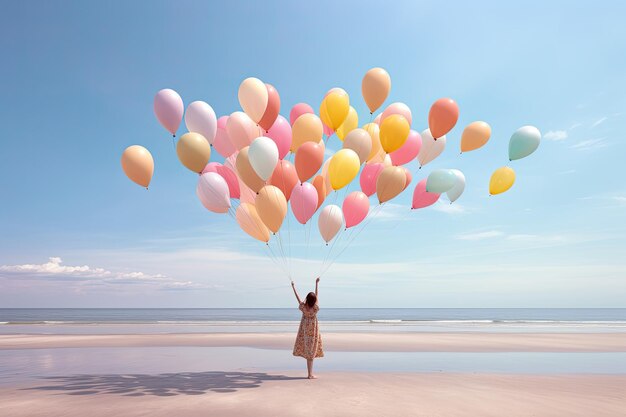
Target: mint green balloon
{"x":524,"y":141}
{"x":440,"y":180}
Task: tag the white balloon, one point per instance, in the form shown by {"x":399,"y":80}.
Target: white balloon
{"x":459,"y":186}
{"x":330,"y":222}
{"x":263,"y":155}
{"x":360,"y":142}
{"x":431,"y":148}
{"x":200,"y":118}
{"x":212,"y":190}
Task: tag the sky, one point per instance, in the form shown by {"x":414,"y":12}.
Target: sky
{"x":77,"y":84}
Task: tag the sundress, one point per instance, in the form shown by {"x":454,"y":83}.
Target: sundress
{"x":309,"y":341}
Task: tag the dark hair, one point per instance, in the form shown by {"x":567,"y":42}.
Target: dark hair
{"x":311,"y":299}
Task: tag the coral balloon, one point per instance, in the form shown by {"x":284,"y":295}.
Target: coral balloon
{"x":298,"y":110}
{"x":369,"y":176}
{"x":251,"y":223}
{"x":394,"y":131}
{"x":245,"y":171}
{"x":474,"y":136}
{"x":193,"y":151}
{"x":431,"y":148}
{"x":253,"y":98}
{"x":397,"y":108}
{"x":307,"y":128}
{"x":360,"y":142}
{"x":213,"y":192}
{"x":169,"y":109}
{"x":442,"y":117}
{"x":272,"y":109}
{"x":280,"y":133}
{"x":390,"y":183}
{"x":374,"y":131}
{"x":263,"y":156}
{"x":138,"y":165}
{"x":303,"y":201}
{"x":229,"y":176}
{"x":334,"y":108}
{"x":330,"y":222}
{"x":375,"y":88}
{"x":408,"y":151}
{"x":241,"y":130}
{"x":355,"y":208}
{"x":343,"y":168}
{"x":320,"y":185}
{"x":200,"y":118}
{"x":501,"y":180}
{"x":284,"y":177}
{"x":271,"y":205}
{"x":459,"y":186}
{"x":309,"y":159}
{"x":421,"y":197}
{"x":351,"y":123}
{"x":524,"y":141}
{"x":222,"y":143}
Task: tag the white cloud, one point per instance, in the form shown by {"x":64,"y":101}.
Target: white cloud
{"x":621,"y":200}
{"x":556,"y":135}
{"x":589,"y":144}
{"x":480,"y":235}
{"x":599,"y":121}
{"x":575,"y":125}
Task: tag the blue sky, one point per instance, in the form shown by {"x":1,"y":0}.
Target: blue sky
{"x":78,"y":79}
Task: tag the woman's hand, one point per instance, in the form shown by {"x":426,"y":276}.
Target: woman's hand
{"x":292,"y":283}
{"x":317,"y":280}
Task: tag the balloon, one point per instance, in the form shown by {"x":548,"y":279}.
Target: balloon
{"x":241,"y":130}
{"x":272,"y":109}
{"x":320,"y":185}
{"x":280,"y":133}
{"x":330,"y":222}
{"x":440,"y":181}
{"x":394,"y":131}
{"x":169,"y":108}
{"x":421,"y":197}
{"x":390,"y":183}
{"x":200,"y":118}
{"x":263,"y":156}
{"x":253,"y":98}
{"x":407,"y":152}
{"x":327,"y":185}
{"x":334,"y":108}
{"x":431,"y":148}
{"x":442,"y":116}
{"x":212,"y":190}
{"x":328,"y":132}
{"x":193,"y":151}
{"x":307,"y":128}
{"x":271,"y":206}
{"x":284,"y":177}
{"x":298,"y":110}
{"x":251,"y":223}
{"x":374,"y":130}
{"x":409,"y":178}
{"x":247,"y":174}
{"x":475,"y":135}
{"x":343,"y":167}
{"x":524,"y":141}
{"x":397,"y":108}
{"x":459,"y":186}
{"x":501,"y":180}
{"x":303,"y":201}
{"x":369,"y":176}
{"x":309,"y":159}
{"x":377,"y":119}
{"x":360,"y":142}
{"x":222,"y":143}
{"x":138,"y":165}
{"x":246,"y":195}
{"x":375,"y":88}
{"x":351,"y":123}
{"x":229,"y":176}
{"x":355,"y":207}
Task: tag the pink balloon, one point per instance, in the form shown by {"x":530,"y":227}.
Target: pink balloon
{"x":222,"y":143}
{"x":229,"y":176}
{"x":408,"y":151}
{"x":397,"y":108}
{"x":169,"y":109}
{"x":421,"y":197}
{"x":355,"y":208}
{"x":409,"y":178}
{"x":241,"y":130}
{"x":377,"y":119}
{"x":328,"y":131}
{"x":280,"y":133}
{"x":303,"y":201}
{"x":298,"y":110}
{"x":212,"y":191}
{"x":369,"y":176}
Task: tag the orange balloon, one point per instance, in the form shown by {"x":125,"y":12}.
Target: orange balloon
{"x":375,"y":88}
{"x":271,"y":205}
{"x":284,"y":177}
{"x":246,"y":172}
{"x":442,"y":117}
{"x":319,"y":182}
{"x":391,"y":182}
{"x":307,"y":127}
{"x":475,"y":135}
{"x":309,"y":159}
{"x":251,"y":223}
{"x":138,"y":165}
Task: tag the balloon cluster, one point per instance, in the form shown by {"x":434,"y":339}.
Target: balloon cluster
{"x":271,"y":163}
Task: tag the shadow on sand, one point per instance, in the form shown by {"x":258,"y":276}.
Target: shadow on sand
{"x":187,"y":383}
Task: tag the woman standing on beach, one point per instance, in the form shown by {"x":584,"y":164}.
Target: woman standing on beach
{"x":309,"y":341}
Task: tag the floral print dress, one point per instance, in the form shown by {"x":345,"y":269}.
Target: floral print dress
{"x":309,"y":341}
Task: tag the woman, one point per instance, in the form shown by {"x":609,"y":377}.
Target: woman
{"x":309,"y":341}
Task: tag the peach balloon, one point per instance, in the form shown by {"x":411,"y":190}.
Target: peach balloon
{"x":193,"y":151}
{"x":474,"y":136}
{"x":374,"y":131}
{"x":251,"y":223}
{"x":246,"y":172}
{"x":390,"y":183}
{"x":271,"y":205}
{"x":397,"y":108}
{"x":138,"y":165}
{"x":375,"y":88}
{"x":360,"y":142}
{"x":319,"y":183}
{"x":241,"y":130}
{"x":307,"y":128}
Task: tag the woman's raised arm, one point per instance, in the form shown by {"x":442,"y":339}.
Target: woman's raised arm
{"x":293,"y":286}
{"x":317,"y":281}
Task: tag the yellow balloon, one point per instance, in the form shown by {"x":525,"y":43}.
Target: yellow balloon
{"x":501,"y":180}
{"x":251,"y":223}
{"x":351,"y":123}
{"x":334,"y":108}
{"x":194,"y":151}
{"x":393,"y":132}
{"x":307,"y":128}
{"x":374,"y":130}
{"x":343,"y":168}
